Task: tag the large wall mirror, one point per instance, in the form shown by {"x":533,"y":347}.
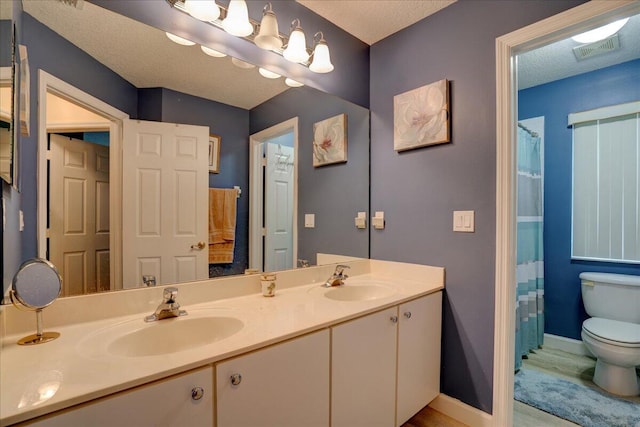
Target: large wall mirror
{"x":96,"y":75}
{"x":6,"y":92}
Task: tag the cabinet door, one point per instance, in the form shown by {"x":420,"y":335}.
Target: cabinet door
{"x":164,"y":403}
{"x":283,"y":385}
{"x":363,"y":367}
{"x":418,"y":354}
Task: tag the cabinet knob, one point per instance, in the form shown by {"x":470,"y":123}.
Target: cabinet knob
{"x":407,"y":314}
{"x":394,"y":319}
{"x":197,"y":393}
{"x":236,"y":379}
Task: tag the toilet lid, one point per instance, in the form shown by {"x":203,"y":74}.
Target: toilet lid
{"x":628,"y":334}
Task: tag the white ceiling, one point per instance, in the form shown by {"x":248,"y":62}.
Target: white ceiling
{"x":158,"y":62}
{"x":372,"y":21}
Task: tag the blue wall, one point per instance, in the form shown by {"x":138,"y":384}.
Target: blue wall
{"x":564,"y":311}
{"x":334,"y":193}
{"x":6,"y":35}
{"x":419,"y":189}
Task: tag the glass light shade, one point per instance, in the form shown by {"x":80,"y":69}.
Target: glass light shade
{"x":296,"y":50}
{"x":204,"y":10}
{"x":237,"y":21}
{"x":292,"y":83}
{"x":321,"y":60}
{"x":268,"y":37}
{"x":242,"y":64}
{"x":268,"y":74}
{"x":212,"y":52}
{"x":601,"y":33}
{"x":179,"y":40}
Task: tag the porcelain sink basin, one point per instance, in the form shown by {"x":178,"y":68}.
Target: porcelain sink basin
{"x":173,"y":335}
{"x":136,"y":338}
{"x":359,"y":292}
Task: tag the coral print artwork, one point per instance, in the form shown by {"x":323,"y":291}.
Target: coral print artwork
{"x":421,"y":116}
{"x":330,"y":141}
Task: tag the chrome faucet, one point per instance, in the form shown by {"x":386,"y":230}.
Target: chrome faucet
{"x":169,"y":307}
{"x":337,"y":278}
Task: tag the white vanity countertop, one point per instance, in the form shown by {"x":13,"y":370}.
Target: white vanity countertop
{"x":76,"y":368}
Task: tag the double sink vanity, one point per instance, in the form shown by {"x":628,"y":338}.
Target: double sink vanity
{"x":364,"y":353}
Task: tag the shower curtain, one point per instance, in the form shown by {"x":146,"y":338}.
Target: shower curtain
{"x":530,"y":264}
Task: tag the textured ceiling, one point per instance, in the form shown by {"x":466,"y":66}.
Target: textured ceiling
{"x":146,"y":58}
{"x":557,"y":61}
{"x":372,"y":21}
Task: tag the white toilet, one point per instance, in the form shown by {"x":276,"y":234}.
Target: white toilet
{"x":612,"y":334}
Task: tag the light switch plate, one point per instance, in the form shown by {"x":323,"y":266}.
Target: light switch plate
{"x":464,"y":221}
{"x":309,"y":220}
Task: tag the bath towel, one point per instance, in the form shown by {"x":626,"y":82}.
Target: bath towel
{"x":222,"y":225}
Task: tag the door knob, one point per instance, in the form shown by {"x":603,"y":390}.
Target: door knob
{"x":200,"y":245}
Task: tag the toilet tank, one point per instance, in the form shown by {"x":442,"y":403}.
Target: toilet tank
{"x":611,"y":296}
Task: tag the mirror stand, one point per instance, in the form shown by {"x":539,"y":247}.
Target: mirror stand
{"x":35,"y":286}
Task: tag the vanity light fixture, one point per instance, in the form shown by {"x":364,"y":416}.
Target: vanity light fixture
{"x":600,"y":33}
{"x":268,"y":74}
{"x":179,"y":40}
{"x":296,"y":50}
{"x":242,"y":64}
{"x":321,"y":60}
{"x":268,"y":38}
{"x":237,"y":21}
{"x":292,"y":83}
{"x":212,"y":52}
{"x":204,"y":10}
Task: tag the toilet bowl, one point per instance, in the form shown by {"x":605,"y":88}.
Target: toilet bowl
{"x":612,"y":335}
{"x":617,"y":351}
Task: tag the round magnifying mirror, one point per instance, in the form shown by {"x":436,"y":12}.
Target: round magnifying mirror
{"x":36,"y":285}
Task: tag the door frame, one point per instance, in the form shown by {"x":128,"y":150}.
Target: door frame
{"x":256,"y":198}
{"x":50,"y":83}
{"x":581,"y":18}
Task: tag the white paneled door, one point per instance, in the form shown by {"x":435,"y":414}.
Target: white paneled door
{"x":79,"y":214}
{"x":278,"y":212}
{"x":164,"y":202}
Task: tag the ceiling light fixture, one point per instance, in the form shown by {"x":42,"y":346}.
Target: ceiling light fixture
{"x":268,"y":38}
{"x":292,"y":83}
{"x":237,"y":21}
{"x":204,"y":10}
{"x":179,"y":40}
{"x":268,"y":74}
{"x":600,"y":33}
{"x":296,"y":50}
{"x":212,"y":52}
{"x":321,"y":59}
{"x":242,"y":64}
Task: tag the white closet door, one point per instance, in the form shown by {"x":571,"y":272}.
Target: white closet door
{"x":279,"y":207}
{"x":165,"y":202}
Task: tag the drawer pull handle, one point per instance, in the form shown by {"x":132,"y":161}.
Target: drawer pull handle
{"x":197,"y":393}
{"x":236,"y":379}
{"x":407,"y":315}
{"x":394,"y":319}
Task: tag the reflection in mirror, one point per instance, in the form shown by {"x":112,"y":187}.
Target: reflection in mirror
{"x":112,"y":74}
{"x":6,"y":92}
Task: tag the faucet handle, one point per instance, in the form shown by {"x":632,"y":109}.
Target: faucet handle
{"x":339,"y":270}
{"x":169,"y":295}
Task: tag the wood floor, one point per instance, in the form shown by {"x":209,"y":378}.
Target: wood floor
{"x":571,"y":367}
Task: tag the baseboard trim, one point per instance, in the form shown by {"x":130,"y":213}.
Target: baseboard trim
{"x":569,"y":345}
{"x":460,"y":411}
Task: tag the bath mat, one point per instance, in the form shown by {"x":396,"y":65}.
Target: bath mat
{"x":577,"y":403}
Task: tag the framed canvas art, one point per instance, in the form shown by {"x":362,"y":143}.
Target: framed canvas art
{"x":330,"y":141}
{"x":421,"y":116}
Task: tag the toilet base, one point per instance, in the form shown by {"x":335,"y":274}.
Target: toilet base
{"x":619,"y":380}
